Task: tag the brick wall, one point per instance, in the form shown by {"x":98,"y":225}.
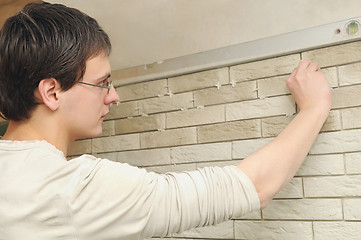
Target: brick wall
{"x":220,"y":116}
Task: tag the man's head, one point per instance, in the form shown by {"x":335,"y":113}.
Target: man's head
{"x":44,"y":41}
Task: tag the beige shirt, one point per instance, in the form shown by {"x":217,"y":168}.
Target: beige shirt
{"x":44,"y":196}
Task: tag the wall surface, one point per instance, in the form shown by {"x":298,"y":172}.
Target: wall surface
{"x":220,"y":116}
{"x":144,"y":32}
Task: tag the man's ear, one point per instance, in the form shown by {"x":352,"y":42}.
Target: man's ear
{"x":47,"y":92}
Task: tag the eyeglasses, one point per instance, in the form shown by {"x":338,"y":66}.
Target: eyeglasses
{"x":107,"y":84}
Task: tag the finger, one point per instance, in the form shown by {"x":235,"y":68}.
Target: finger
{"x":313,"y":67}
{"x":303,"y":65}
{"x":293,"y":74}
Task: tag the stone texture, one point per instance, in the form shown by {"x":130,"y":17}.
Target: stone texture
{"x":274,"y":125}
{"x":112,"y":156}
{"x":108,"y":129}
{"x":351,"y":118}
{"x":336,"y":230}
{"x":140,"y":124}
{"x":349,"y":96}
{"x":337,"y":142}
{"x":331,"y":76}
{"x":272,"y":87}
{"x":145,"y":157}
{"x":352,"y":208}
{"x":293,"y":189}
{"x":226,"y":94}
{"x":142,"y":90}
{"x":350,"y":74}
{"x":80,"y":147}
{"x":122,"y":110}
{"x":201,"y":153}
{"x":115,"y":143}
{"x":333,"y":122}
{"x":332,"y":186}
{"x":166,"y":103}
{"x":229,"y":131}
{"x":322,"y":165}
{"x":353,"y":163}
{"x":244,"y":148}
{"x":264,"y":68}
{"x":273,"y":230}
{"x":304,"y":209}
{"x":175,"y":137}
{"x":196,"y":116}
{"x":335,"y":55}
{"x":199,"y":80}
{"x":267,"y":107}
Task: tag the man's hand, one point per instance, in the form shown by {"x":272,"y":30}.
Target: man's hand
{"x":309,"y":87}
{"x":274,"y":165}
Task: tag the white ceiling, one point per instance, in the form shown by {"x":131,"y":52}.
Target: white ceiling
{"x":144,"y":31}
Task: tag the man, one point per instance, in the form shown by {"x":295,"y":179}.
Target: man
{"x":55,"y":88}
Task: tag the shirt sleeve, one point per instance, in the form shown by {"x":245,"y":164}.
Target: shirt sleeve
{"x":118,"y":201}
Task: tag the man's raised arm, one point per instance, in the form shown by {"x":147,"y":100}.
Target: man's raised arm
{"x":274,"y":165}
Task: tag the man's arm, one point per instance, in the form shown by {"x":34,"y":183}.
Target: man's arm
{"x":274,"y":165}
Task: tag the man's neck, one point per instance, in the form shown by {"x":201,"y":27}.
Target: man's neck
{"x":28,"y":130}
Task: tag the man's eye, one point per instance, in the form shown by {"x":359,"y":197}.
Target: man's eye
{"x":104,"y":83}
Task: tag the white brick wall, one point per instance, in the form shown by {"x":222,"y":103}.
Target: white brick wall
{"x":220,"y":116}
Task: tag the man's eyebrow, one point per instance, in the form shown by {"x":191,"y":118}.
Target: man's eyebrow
{"x":108,"y":75}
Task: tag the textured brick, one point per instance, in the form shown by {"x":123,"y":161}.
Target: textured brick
{"x":337,"y":142}
{"x":272,"y":86}
{"x":273,"y":230}
{"x":108,"y":129}
{"x":122,"y":110}
{"x":293,"y":189}
{"x":172,"y":168}
{"x":264,"y":68}
{"x":252,"y":216}
{"x":142,"y":90}
{"x":167,"y":138}
{"x":304,"y":209}
{"x":226,"y":94}
{"x":352,"y":209}
{"x":80,"y":147}
{"x":274,"y":125}
{"x":199,"y":80}
{"x":335,"y":55}
{"x":351,"y":118}
{"x":112,"y":156}
{"x":160,"y":169}
{"x":267,"y":107}
{"x":197,"y":116}
{"x":333,"y":121}
{"x":229,"y":131}
{"x":332,"y":186}
{"x":349,"y":96}
{"x":244,"y":148}
{"x":220,"y":231}
{"x":337,"y":230}
{"x":201,"y":153}
{"x":145,"y":157}
{"x":140,"y":124}
{"x":322,"y":165}
{"x":353,"y":163}
{"x":217,"y":163}
{"x":275,"y":86}
{"x":166,"y":103}
{"x":350,"y":74}
{"x":331,"y":76}
{"x":115,"y":143}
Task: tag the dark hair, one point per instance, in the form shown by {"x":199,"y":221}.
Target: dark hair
{"x":44,"y":41}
